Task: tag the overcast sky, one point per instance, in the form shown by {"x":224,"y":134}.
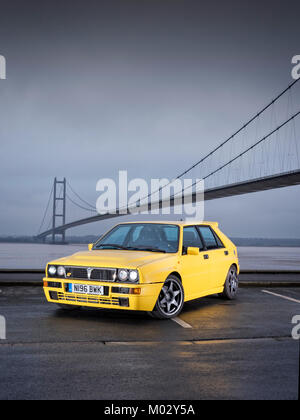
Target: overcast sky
{"x":148,"y":86}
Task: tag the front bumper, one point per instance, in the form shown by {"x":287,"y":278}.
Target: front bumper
{"x":57,"y":292}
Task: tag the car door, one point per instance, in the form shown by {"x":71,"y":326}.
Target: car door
{"x":217,"y":254}
{"x":195,"y":268}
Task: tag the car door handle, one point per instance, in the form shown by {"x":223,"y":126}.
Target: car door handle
{"x":206,"y":256}
{"x":226,"y":252}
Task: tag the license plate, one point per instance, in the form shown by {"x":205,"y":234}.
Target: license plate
{"x":86,"y":289}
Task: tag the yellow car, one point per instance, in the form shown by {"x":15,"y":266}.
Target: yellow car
{"x":147,"y":266}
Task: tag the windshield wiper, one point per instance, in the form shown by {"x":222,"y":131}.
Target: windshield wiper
{"x":131,"y":248}
{"x":149,"y":249}
{"x":116,"y":246}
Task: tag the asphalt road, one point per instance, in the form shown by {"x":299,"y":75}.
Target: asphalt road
{"x":232,"y":350}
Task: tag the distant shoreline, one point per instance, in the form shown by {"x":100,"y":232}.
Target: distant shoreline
{"x":79,"y":240}
{"x":265,"y":242}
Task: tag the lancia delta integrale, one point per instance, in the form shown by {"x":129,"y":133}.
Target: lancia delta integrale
{"x":153,"y":267}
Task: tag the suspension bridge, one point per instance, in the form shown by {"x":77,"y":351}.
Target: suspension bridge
{"x":260,"y":155}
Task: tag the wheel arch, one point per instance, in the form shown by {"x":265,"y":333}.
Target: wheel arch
{"x":235,"y":265}
{"x":176,"y":274}
{"x":158,"y":312}
{"x":231,"y":265}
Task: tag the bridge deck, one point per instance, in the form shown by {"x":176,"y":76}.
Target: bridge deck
{"x":260,"y":184}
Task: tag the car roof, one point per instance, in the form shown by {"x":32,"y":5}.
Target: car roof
{"x":174,"y":222}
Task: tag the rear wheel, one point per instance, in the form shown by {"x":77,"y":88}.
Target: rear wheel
{"x":170,"y":300}
{"x":231,"y":284}
{"x":68,"y":307}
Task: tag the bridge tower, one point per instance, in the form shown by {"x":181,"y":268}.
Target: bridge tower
{"x":59,"y":197}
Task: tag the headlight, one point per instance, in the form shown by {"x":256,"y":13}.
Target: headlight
{"x":52,"y":270}
{"x":61,"y":271}
{"x":133,"y":275}
{"x":128,"y":276}
{"x":123,"y":275}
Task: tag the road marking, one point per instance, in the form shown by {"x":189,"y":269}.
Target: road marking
{"x":181,"y":323}
{"x":281,"y":296}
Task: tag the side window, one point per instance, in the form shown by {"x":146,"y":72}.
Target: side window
{"x":191,"y":238}
{"x":208,"y":237}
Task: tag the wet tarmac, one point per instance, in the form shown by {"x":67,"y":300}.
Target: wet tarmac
{"x":222,"y":350}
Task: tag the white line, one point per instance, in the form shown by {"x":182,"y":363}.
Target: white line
{"x":281,"y":296}
{"x":181,"y":323}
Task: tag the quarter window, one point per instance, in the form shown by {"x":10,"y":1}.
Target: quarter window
{"x":219,"y":242}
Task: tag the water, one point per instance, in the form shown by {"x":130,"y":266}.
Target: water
{"x":34,"y":255}
{"x":37,"y":256}
{"x":269,"y":258}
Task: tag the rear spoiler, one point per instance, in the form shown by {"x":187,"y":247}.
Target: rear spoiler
{"x":214,"y":224}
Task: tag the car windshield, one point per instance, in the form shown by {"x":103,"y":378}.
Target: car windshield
{"x":152,"y":237}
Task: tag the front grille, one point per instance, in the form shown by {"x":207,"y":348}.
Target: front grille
{"x":77,"y":273}
{"x":103,"y":274}
{"x":71,"y":297}
{"x":96,"y":274}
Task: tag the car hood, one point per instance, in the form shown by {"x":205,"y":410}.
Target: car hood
{"x":112,"y":258}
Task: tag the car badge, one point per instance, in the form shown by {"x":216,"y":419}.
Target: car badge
{"x":89,"y":272}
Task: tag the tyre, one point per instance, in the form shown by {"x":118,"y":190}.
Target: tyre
{"x":68,"y":307}
{"x":170,"y":300}
{"x":231,"y":284}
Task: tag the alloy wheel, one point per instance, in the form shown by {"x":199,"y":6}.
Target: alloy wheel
{"x":171,"y":297}
{"x":233,"y":281}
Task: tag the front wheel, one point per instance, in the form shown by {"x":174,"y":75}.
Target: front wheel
{"x":170,"y":300}
{"x":231,"y":284}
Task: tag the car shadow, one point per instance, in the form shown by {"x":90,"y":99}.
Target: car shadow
{"x":109,"y":315}
{"x":113,"y":316}
{"x":205,"y":303}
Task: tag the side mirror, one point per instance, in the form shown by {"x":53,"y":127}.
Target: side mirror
{"x":192,"y":250}
{"x":90,"y":246}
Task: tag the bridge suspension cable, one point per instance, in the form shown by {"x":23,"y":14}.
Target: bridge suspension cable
{"x":210,"y":170}
{"x":46,"y":211}
{"x":248,"y":149}
{"x":255,"y":144}
{"x":81,"y":199}
{"x":80,"y":206}
{"x":240,"y":129}
{"x":228,"y":139}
